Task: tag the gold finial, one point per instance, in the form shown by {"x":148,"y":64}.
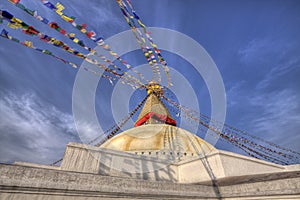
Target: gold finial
{"x":154,"y":87}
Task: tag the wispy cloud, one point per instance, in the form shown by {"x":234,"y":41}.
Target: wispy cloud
{"x":272,"y":115}
{"x":32,"y":130}
{"x":254,"y":49}
{"x":277,"y":71}
{"x":97,"y":14}
{"x":279,"y":118}
{"x":232,"y":93}
{"x":89,"y":131}
{"x":262,"y":50}
{"x":271,"y":57}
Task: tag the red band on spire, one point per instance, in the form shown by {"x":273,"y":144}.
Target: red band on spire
{"x":163,"y":118}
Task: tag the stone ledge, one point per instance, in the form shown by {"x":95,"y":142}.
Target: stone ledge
{"x":253,"y":178}
{"x":25,"y":180}
{"x":18,"y":178}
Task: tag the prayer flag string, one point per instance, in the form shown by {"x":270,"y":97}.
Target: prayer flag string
{"x":29,"y":44}
{"x":135,"y":16}
{"x":151,"y":57}
{"x":16,"y":23}
{"x":123,"y":122}
{"x":58,"y":9}
{"x":250,"y":147}
{"x":71,"y":36}
{"x":109,"y":133}
{"x":231,"y":129}
{"x":226,"y":131}
{"x":148,"y":53}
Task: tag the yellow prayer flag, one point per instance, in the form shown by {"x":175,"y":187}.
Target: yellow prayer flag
{"x":141,"y":24}
{"x":28,"y":43}
{"x":80,"y":55}
{"x":16,"y":20}
{"x":59,"y":7}
{"x":13,"y":26}
{"x":59,"y":12}
{"x":56,"y":42}
{"x":66,"y":18}
{"x":75,"y":40}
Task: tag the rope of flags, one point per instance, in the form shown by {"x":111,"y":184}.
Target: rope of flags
{"x":148,"y":53}
{"x":15,"y":23}
{"x":142,"y":42}
{"x":152,"y":54}
{"x":240,"y":146}
{"x":58,"y":9}
{"x":150,"y":39}
{"x":226,"y":135}
{"x":297,"y":154}
{"x":123,"y":122}
{"x":250,"y":147}
{"x":71,"y":36}
{"x":52,"y":25}
{"x":29,"y":44}
{"x":112,"y":130}
{"x":235,"y":131}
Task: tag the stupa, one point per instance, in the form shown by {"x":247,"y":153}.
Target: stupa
{"x":153,"y":160}
{"x":155,"y":133}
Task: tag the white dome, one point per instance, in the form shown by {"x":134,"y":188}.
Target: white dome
{"x":158,"y":137}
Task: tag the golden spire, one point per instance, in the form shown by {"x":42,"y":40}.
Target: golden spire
{"x":154,"y":111}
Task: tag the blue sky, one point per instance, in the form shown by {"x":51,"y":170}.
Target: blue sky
{"x":255,"y":44}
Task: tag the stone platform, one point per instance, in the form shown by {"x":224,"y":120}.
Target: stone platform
{"x":24,"y":182}
{"x":89,"y":173}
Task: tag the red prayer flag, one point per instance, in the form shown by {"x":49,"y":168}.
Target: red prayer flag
{"x":14,"y":1}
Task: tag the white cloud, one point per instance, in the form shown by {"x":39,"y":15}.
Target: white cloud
{"x":32,"y":130}
{"x":88,"y":131}
{"x":262,"y":50}
{"x":96,"y":12}
{"x":253,"y":50}
{"x":277,"y":71}
{"x":233,"y":93}
{"x":273,"y":116}
{"x":279,"y":119}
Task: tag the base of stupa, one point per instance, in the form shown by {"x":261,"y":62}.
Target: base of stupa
{"x":89,"y":172}
{"x":33,"y":183}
